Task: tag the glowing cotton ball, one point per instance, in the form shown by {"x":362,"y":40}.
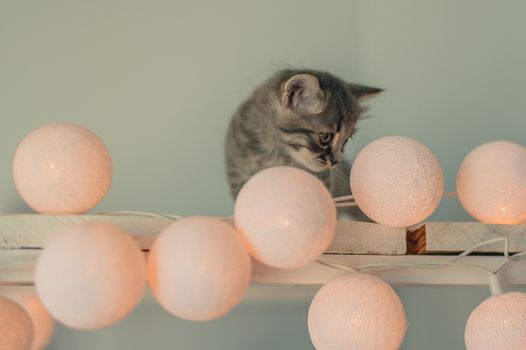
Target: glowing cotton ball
{"x":43,"y":324}
{"x":198,"y":268}
{"x":491,"y":183}
{"x":62,"y":169}
{"x":16,"y":331}
{"x":91,"y":276}
{"x":498,"y":323}
{"x":397,"y":181}
{"x":356,"y":311}
{"x":286,"y":217}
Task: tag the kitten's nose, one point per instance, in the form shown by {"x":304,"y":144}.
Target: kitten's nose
{"x":333,"y":161}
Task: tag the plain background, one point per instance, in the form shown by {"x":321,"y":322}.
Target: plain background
{"x":159,"y":80}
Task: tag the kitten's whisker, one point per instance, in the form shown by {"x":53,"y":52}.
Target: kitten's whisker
{"x":343,"y":198}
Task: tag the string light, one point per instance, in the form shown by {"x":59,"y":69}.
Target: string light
{"x":455,"y":261}
{"x":397,"y":181}
{"x":43,"y":324}
{"x":356,"y":311}
{"x":16,"y":330}
{"x":491,"y":183}
{"x":286,"y":217}
{"x":198,"y":268}
{"x":62,"y":168}
{"x":91,"y":275}
{"x":499,"y":322}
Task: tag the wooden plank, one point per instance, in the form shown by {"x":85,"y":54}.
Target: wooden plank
{"x":316,"y":273}
{"x":453,"y":237}
{"x":352,"y":241}
{"x":33,"y":231}
{"x":354,"y":237}
{"x":17,"y":266}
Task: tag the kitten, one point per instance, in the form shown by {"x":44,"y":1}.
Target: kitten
{"x":298,"y":118}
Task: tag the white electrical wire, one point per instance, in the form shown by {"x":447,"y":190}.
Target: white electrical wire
{"x":337,"y":266}
{"x":457,"y":261}
{"x":389,"y":266}
{"x":487,"y":242}
{"x":141,"y":213}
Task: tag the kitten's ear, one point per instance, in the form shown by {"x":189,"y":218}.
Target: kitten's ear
{"x":362,"y":92}
{"x":302,"y":93}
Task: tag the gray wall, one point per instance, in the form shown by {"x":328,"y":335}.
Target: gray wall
{"x":158,"y":80}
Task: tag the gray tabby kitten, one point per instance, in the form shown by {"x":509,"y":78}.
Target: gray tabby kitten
{"x":298,"y":118}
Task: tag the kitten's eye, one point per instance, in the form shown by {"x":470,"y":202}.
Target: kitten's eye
{"x":325,"y":138}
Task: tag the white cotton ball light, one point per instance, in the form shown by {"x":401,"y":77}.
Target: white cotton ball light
{"x":286,"y":216}
{"x":491,"y":183}
{"x":43,"y":324}
{"x":16,"y":331}
{"x":357,"y":311}
{"x":198,"y":268}
{"x":91,"y":276}
{"x":62,"y":168}
{"x":397,"y":181}
{"x":498,"y":323}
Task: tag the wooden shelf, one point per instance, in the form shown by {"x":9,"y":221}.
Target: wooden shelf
{"x":513,"y":274}
{"x":356,"y":244}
